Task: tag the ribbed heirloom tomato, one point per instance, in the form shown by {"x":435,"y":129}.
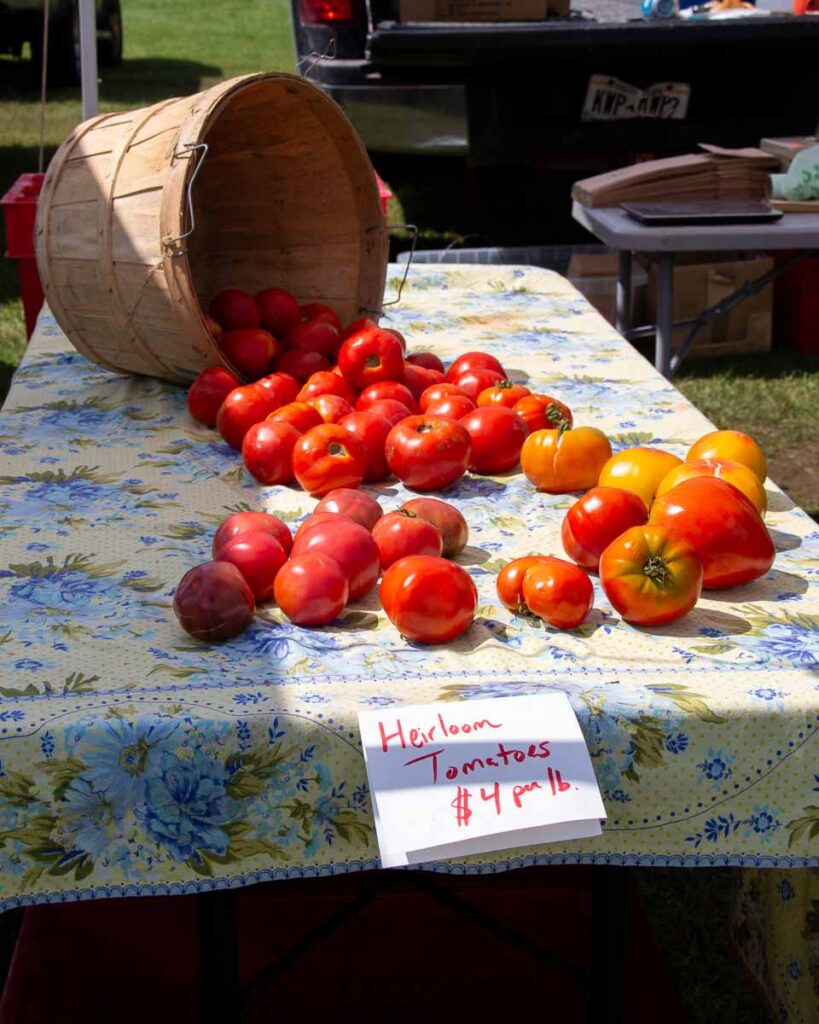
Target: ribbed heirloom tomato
{"x":326,"y":457}
{"x":428,"y":454}
{"x":402,"y":533}
{"x":446,"y":519}
{"x":561,"y":461}
{"x":598,"y":518}
{"x":509,"y":582}
{"x":497,"y":435}
{"x":558,"y":592}
{"x":429,"y":600}
{"x":207,"y":393}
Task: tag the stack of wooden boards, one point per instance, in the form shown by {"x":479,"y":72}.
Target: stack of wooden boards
{"x":716,"y":173}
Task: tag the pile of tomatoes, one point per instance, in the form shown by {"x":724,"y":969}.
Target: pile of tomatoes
{"x":336,"y":556}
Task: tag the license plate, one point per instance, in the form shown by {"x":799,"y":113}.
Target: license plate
{"x":609,"y":99}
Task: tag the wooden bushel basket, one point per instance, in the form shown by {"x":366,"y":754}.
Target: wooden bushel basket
{"x":144,"y":216}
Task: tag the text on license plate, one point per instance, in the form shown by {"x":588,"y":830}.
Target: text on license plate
{"x":609,"y":99}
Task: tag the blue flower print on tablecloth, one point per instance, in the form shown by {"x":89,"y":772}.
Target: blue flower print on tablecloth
{"x":124,"y":755}
{"x":716,"y":767}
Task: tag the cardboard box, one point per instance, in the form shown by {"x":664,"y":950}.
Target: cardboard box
{"x":746,"y":328}
{"x":476,"y":10}
{"x":595,"y":275}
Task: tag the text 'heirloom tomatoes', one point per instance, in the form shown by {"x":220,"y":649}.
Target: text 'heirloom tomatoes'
{"x":428,"y":600}
{"x":428,"y":454}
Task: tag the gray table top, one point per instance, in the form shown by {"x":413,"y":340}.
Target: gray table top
{"x":618,"y":230}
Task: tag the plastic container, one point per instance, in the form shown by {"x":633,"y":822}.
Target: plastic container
{"x":20,"y":211}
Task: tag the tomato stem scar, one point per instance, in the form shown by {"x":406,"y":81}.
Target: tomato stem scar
{"x":656,"y":569}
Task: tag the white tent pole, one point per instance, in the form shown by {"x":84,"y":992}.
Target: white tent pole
{"x":88,"y":58}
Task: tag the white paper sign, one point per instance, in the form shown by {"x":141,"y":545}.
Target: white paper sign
{"x":448,"y":780}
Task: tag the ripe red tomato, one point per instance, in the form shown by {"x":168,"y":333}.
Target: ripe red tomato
{"x":598,"y":518}
{"x":371,"y":356}
{"x":258,"y":557}
{"x":497,"y":435}
{"x":651,"y":575}
{"x":356,"y":505}
{"x":542,"y":412}
{"x":390,"y":410}
{"x":446,"y":519}
{"x":298,"y":414}
{"x":318,"y":312}
{"x":428,"y":600}
{"x":332,"y":408}
{"x":428,"y":454}
{"x":505,"y":393}
{"x":207,"y":393}
{"x":250,"y":350}
{"x":267,"y":450}
{"x":349,"y":544}
{"x":371,"y":430}
{"x":558,"y":592}
{"x":437,"y":392}
{"x":723,"y":527}
{"x":363,"y":324}
{"x":325,"y":382}
{"x":453,"y":407}
{"x":313,"y":336}
{"x":243,"y":407}
{"x":509,"y":582}
{"x":278,"y":309}
{"x":399,"y":534}
{"x":213,"y":602}
{"x":233,"y":309}
{"x":301,"y":364}
{"x":327,"y":457}
{"x":418,"y":379}
{"x":428,"y":360}
{"x":214,"y":328}
{"x":252,"y":522}
{"x":315,"y":519}
{"x":282,"y":385}
{"x":311,"y":590}
{"x":386,"y":390}
{"x":399,"y":335}
{"x":470,"y":361}
{"x":476,"y":381}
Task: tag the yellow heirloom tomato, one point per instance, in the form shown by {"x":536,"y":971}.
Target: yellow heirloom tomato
{"x":735,"y":473}
{"x":639,"y":470}
{"x":732,"y":445}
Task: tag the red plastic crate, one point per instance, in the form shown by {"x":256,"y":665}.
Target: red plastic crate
{"x":796,"y":306}
{"x":20,"y":210}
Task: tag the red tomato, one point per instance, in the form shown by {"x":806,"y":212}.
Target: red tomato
{"x":418,"y":379}
{"x":301,"y":364}
{"x":427,"y":360}
{"x":558,"y":592}
{"x":446,"y":519}
{"x":233,"y":309}
{"x":278,"y":309}
{"x":258,"y":557}
{"x":214,"y":328}
{"x":542,"y":412}
{"x":332,"y":408}
{"x":505,"y":393}
{"x":428,"y":454}
{"x":371,"y":430}
{"x":355,"y":505}
{"x":428,"y":600}
{"x":252,"y":522}
{"x":326,"y":383}
{"x":243,"y":407}
{"x":311,"y":590}
{"x":282,"y":385}
{"x":651,"y":575}
{"x":267,"y":450}
{"x":250,"y":350}
{"x":313,"y":336}
{"x":509,"y":582}
{"x":403,"y":533}
{"x":453,"y":407}
{"x":470,"y":361}
{"x":598,"y":518}
{"x":349,"y":544}
{"x":363,"y":324}
{"x":207,"y":393}
{"x":318,"y":312}
{"x":298,"y":414}
{"x":439,"y":391}
{"x":371,"y":356}
{"x":399,"y":335}
{"x":390,"y":410}
{"x":476,"y":381}
{"x":386,"y":390}
{"x":497,"y":435}
{"x":722,"y":526}
{"x":316,"y":519}
{"x":213,"y":602}
{"x":327,"y":457}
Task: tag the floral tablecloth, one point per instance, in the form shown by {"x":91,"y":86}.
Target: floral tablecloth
{"x":136,"y":760}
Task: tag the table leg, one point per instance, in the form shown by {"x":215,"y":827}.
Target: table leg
{"x":218,"y":958}
{"x":609,"y":938}
{"x":665,"y":314}
{"x":622,"y":315}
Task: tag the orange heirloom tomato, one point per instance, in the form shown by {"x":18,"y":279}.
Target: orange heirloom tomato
{"x":560,"y":461}
{"x":542,"y":412}
{"x":639,"y":470}
{"x":732,"y":445}
{"x":651,"y":574}
{"x":735,"y":473}
{"x":503,"y":393}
